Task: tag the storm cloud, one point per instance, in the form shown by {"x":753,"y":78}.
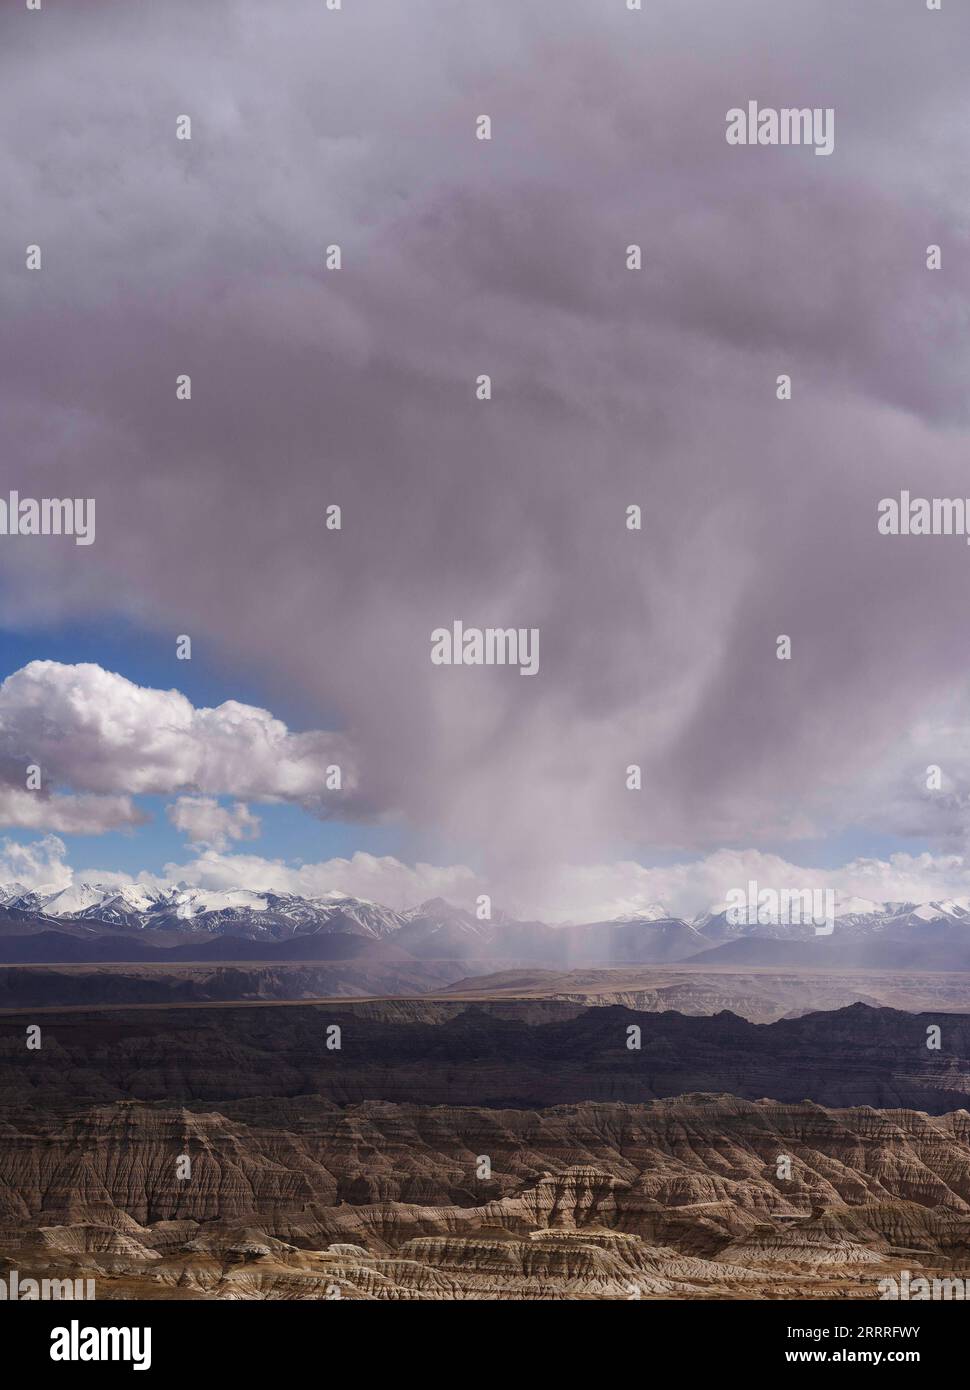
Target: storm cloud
{"x":356,"y":387}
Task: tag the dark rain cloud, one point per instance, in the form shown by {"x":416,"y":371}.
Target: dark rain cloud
{"x":610,"y":387}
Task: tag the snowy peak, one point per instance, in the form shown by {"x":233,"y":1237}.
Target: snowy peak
{"x":653,"y":912}
{"x":442,"y":922}
{"x":187,"y":903}
{"x":72,"y":901}
{"x":860,"y":907}
{"x":179,"y":908}
{"x":267,"y":914}
{"x":10,"y":891}
{"x":854,"y":917}
{"x":440,"y":911}
{"x":358,"y":914}
{"x":953,"y":909}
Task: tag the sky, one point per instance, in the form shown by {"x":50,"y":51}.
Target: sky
{"x":356,"y":387}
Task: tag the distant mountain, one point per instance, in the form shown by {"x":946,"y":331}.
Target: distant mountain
{"x":124,"y":906}
{"x":658,"y":941}
{"x":183,"y":919}
{"x":437,"y":929}
{"x":654,"y":912}
{"x":71,"y":946}
{"x":856,"y":918}
{"x":934,"y":935}
{"x":235,"y":911}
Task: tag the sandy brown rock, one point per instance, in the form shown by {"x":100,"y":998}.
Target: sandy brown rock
{"x":678,"y":1198}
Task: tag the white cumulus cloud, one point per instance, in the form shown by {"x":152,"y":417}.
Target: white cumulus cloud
{"x":38,"y":864}
{"x":382,"y":879}
{"x":210,"y":825}
{"x":94,"y":732}
{"x":77,"y":815}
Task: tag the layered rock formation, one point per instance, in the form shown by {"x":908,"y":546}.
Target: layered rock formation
{"x":303,"y":1198}
{"x":233,"y":1153}
{"x":761,"y":996}
{"x":36,"y":986}
{"x":417,"y":1052}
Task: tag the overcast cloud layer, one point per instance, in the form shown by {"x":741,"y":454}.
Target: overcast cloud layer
{"x":610,"y":387}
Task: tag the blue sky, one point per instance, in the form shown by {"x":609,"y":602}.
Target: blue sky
{"x":289,"y":833}
{"x":148,"y":660}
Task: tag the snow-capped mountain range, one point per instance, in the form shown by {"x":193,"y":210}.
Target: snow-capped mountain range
{"x":242,"y":911}
{"x":853,"y":917}
{"x":179,"y":908}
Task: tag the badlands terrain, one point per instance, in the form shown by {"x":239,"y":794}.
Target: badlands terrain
{"x":760,"y":995}
{"x":249,"y":1096}
{"x":505,"y":1149}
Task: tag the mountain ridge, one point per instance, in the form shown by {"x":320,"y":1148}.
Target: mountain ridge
{"x":922,"y":935}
